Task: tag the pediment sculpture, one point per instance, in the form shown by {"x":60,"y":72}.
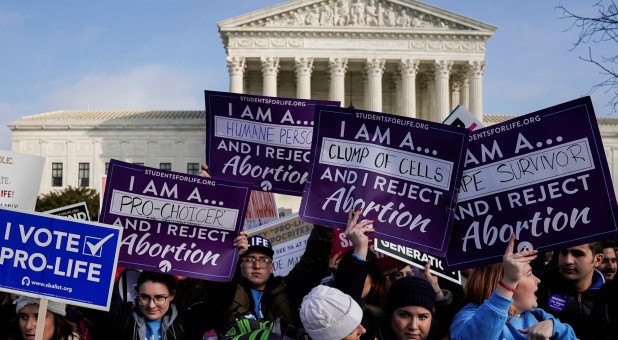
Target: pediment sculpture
{"x":355,"y":13}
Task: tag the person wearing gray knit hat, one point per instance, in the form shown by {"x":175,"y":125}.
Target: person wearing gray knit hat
{"x":52,"y":306}
{"x":329,"y":314}
{"x":56,"y":326}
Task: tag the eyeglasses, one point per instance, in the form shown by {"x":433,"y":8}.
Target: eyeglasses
{"x":158,"y":300}
{"x":252,"y":260}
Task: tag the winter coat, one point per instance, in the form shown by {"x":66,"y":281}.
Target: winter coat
{"x":558,"y":297}
{"x":490,"y":321}
{"x":283,"y":295}
{"x":604,"y":317}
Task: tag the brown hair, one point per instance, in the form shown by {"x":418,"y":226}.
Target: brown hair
{"x":63,"y":329}
{"x":482,"y":282}
{"x":378,"y":290}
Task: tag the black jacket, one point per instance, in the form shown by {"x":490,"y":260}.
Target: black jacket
{"x":125,"y":322}
{"x":559,"y":297}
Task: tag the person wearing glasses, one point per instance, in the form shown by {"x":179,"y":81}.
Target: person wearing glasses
{"x":152,"y":315}
{"x":256,"y":293}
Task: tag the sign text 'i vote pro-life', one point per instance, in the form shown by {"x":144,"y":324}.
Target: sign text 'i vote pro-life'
{"x":403,"y":172}
{"x":175,"y":223}
{"x":265,"y":141}
{"x":60,"y":258}
{"x":542,"y":177}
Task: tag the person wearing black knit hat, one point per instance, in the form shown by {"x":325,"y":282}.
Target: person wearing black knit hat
{"x":410,"y":306}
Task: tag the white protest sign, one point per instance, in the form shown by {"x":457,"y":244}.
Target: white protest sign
{"x":20,"y":178}
{"x":288,"y":236}
{"x":461,"y":117}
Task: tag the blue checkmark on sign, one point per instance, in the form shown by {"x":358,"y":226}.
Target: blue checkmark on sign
{"x":93,"y":246}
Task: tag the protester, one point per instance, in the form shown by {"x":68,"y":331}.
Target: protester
{"x":256,"y":293}
{"x":57,"y":327}
{"x":8,"y":298}
{"x":359,"y":275}
{"x":608,"y":265}
{"x":153,"y":314}
{"x":604,"y":317}
{"x":328,"y":314}
{"x":410,"y":310}
{"x":502,"y":305}
{"x":569,"y":290}
{"x":405,"y":271}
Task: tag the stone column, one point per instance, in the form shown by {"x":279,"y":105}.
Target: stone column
{"x":442,"y":72}
{"x":337,"y":68}
{"x":365,"y":90}
{"x":303,"y":67}
{"x":426,"y":82}
{"x":455,"y":91}
{"x":396,"y":93}
{"x":236,"y":66}
{"x":408,"y":69}
{"x":270,"y":69}
{"x":465,"y":89}
{"x":375,"y":68}
{"x":431,"y":92}
{"x":475,"y":73}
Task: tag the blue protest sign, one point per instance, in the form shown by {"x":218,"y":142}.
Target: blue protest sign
{"x":59,"y":258}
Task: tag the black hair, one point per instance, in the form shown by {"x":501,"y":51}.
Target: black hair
{"x":596,"y":248}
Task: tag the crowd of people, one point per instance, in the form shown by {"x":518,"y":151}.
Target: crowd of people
{"x":568,"y":294}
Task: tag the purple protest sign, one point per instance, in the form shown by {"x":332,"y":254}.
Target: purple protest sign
{"x":403,"y":173}
{"x":265,"y":141}
{"x":175,"y":223}
{"x":542,"y":176}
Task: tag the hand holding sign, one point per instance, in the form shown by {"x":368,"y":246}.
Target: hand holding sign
{"x":204,"y":170}
{"x":433,"y":281}
{"x":241,"y":242}
{"x":357,"y":233}
{"x":514,"y":264}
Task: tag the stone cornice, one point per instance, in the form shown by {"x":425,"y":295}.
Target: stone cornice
{"x":113,"y":127}
{"x":323,"y":44}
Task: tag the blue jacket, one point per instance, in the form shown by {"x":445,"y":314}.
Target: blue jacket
{"x":489,"y":322}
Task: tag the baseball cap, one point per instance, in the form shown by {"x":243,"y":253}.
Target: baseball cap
{"x":261,"y":244}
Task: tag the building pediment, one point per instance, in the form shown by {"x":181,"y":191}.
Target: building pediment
{"x":355,"y":15}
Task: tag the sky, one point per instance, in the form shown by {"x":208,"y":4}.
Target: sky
{"x":162,"y":54}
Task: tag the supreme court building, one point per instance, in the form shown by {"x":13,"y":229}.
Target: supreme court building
{"x":402,"y":57}
{"x":397,"y":56}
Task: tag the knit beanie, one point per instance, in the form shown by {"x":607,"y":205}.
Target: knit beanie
{"x":410,"y":291}
{"x":52,"y":306}
{"x":329,"y":314}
